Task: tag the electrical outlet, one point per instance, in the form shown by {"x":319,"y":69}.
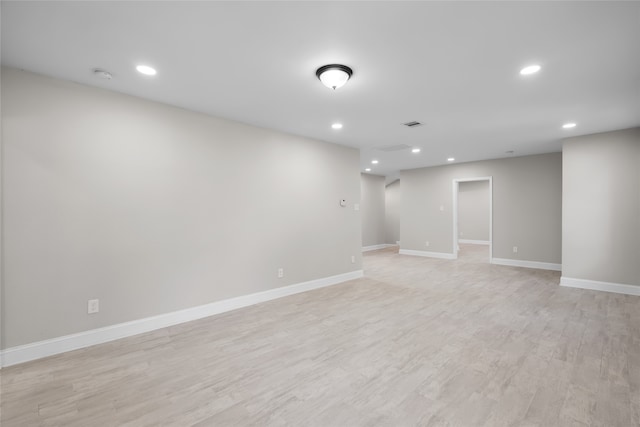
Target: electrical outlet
{"x":441,"y":208}
{"x":353,"y":259}
{"x":515,"y":249}
{"x":93,"y":306}
{"x":461,"y":233}
{"x":427,"y":243}
{"x":280,"y":273}
{"x":356,"y":207}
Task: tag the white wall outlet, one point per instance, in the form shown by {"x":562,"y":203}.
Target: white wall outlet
{"x":356,"y":206}
{"x":426,"y":243}
{"x":280,"y":273}
{"x":93,"y":306}
{"x":441,"y":208}
{"x":461,"y":233}
{"x":515,"y":249}
{"x":353,"y":259}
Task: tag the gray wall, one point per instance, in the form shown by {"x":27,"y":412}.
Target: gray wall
{"x":152,"y":208}
{"x":392,"y":212}
{"x":372,"y":208}
{"x":527,"y":203}
{"x":601,"y":207}
{"x":473,"y":210}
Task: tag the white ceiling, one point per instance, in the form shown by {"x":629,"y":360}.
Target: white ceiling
{"x":453,"y":66}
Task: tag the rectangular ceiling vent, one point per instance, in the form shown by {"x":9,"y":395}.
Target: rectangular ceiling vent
{"x":412,"y":124}
{"x":389,"y":148}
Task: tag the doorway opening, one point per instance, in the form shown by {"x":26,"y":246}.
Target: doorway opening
{"x":473,"y":205}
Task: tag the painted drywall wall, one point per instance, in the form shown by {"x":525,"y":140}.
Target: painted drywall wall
{"x":152,"y":209}
{"x":372,"y":208}
{"x":392,"y":212}
{"x":527,"y":203}
{"x":601,"y":207}
{"x":473,"y":210}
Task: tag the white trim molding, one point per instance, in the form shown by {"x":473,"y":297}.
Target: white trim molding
{"x":594,"y":285}
{"x":527,"y":264}
{"x":50,"y":347}
{"x":454,"y":212}
{"x":440,"y":255}
{"x":376,"y":247}
{"x":474,"y":242}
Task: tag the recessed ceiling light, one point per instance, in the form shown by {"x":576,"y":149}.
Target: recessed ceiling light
{"x":415,"y":150}
{"x":374,"y":162}
{"x":146,"y":70}
{"x":531,"y":69}
{"x":450,"y":159}
{"x":367,"y":170}
{"x":568,"y":125}
{"x":337,"y":126}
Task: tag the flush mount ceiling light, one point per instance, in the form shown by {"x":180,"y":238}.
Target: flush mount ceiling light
{"x":415,"y":150}
{"x":374,"y":162}
{"x":450,"y":159}
{"x":334,"y":76}
{"x":531,"y":69}
{"x":336,"y":126}
{"x":146,"y":70}
{"x":367,"y":170}
{"x":568,"y":125}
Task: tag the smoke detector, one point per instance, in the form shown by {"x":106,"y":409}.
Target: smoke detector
{"x":102,"y":74}
{"x":412,"y":124}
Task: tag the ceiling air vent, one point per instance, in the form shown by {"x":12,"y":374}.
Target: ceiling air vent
{"x":389,"y":148}
{"x":412,"y":124}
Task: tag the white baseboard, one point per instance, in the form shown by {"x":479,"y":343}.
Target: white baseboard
{"x":376,"y":247}
{"x":441,"y":255}
{"x":527,"y":264}
{"x":594,"y":285}
{"x":50,"y":347}
{"x":474,"y":242}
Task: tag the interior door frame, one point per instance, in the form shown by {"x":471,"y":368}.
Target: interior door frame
{"x":456,"y":186}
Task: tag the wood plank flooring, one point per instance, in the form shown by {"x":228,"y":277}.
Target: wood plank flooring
{"x":418,"y":341}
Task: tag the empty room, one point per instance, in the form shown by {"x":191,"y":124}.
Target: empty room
{"x":363,"y":213}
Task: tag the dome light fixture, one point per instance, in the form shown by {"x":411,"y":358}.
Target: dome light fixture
{"x":334,"y":75}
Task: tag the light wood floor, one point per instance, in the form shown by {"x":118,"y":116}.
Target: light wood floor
{"x":418,"y":341}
